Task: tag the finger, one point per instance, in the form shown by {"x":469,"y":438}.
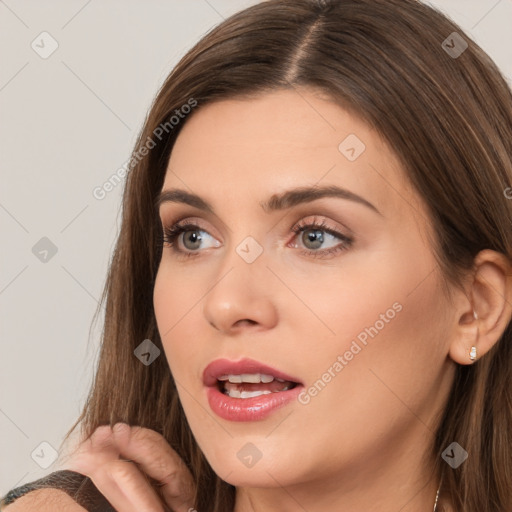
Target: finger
{"x":121,"y":482}
{"x":126,"y":488}
{"x":151,"y":451}
{"x":155,"y":456}
{"x":94,"y":451}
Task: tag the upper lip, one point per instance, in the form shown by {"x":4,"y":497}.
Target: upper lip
{"x":226,"y":367}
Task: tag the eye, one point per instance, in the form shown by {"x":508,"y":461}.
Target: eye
{"x":186,"y":239}
{"x":319,"y":239}
{"x":188,"y":235}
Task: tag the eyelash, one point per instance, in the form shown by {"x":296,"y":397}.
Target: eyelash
{"x":170,"y":234}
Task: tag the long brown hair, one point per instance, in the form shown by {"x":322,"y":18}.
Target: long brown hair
{"x":447,"y":117}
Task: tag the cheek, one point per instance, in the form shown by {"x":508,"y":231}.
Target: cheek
{"x":174,"y":299}
{"x":382,"y":312}
{"x":391,"y":348}
{"x":340,"y":302}
{"x":176,"y":294}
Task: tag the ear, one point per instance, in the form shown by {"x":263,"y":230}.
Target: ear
{"x":489,"y":299}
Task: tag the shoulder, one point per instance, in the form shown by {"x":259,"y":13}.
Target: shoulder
{"x":44,"y":500}
{"x":61,"y":490}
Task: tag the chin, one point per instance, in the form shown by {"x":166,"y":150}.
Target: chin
{"x":243,"y":464}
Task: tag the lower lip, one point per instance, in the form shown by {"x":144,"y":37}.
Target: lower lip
{"x":249,"y":409}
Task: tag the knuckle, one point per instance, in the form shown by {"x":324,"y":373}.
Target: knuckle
{"x":100,"y":435}
{"x":143,"y":433}
{"x":169,"y":466}
{"x":143,"y":437}
{"x":171,"y":478}
{"x":120,"y":471}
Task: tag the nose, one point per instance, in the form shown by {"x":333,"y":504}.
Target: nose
{"x":242,"y":297}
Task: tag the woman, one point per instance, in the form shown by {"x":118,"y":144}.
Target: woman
{"x":311,"y":294}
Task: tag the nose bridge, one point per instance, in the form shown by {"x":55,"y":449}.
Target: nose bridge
{"x":242,"y":287}
{"x":244,"y":249}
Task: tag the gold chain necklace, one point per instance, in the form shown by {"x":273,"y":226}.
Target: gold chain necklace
{"x":437,"y":497}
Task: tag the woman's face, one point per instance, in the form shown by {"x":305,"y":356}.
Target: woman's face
{"x":351,"y":309}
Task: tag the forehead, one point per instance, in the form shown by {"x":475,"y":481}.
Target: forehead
{"x":239,"y":148}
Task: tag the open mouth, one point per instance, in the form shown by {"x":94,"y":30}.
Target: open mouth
{"x":247,"y":390}
{"x":250,"y":385}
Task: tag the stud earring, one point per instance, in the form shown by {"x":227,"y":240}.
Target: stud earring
{"x":472,"y":353}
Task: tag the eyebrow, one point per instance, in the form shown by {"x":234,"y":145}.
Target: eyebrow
{"x":276,"y":202}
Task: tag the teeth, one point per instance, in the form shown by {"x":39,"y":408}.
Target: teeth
{"x":235,"y":393}
{"x":254,"y":378}
{"x":250,"y":394}
{"x":250,"y":377}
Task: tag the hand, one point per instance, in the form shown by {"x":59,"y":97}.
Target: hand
{"x":119,"y":461}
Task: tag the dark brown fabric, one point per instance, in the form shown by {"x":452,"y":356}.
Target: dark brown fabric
{"x":79,"y":487}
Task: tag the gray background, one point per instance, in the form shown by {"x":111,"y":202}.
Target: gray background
{"x":68,"y":122}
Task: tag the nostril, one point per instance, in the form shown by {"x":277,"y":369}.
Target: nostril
{"x":246,"y":321}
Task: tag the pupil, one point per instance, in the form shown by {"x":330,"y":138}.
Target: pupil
{"x":193,"y":237}
{"x":316,"y":237}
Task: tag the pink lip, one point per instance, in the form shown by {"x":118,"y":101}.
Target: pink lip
{"x":245,"y":409}
{"x":225,"y":367}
